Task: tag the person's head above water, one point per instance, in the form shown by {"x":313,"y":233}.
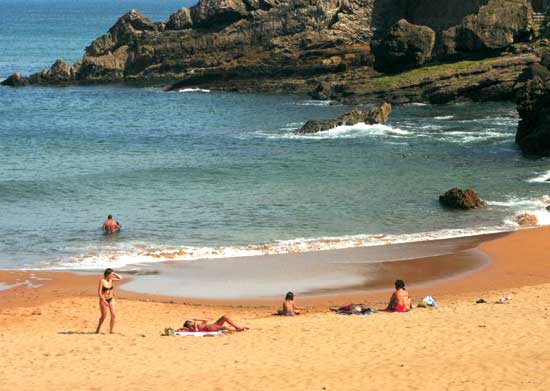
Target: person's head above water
{"x":399,"y":284}
{"x":289,"y":296}
{"x":107,"y":272}
{"x":110,"y":217}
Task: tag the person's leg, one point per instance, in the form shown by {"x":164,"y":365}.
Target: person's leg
{"x":224,"y":319}
{"x":112,"y":308}
{"x":103,"y":309}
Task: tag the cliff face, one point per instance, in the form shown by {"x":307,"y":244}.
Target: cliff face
{"x":291,"y":45}
{"x":231,"y":38}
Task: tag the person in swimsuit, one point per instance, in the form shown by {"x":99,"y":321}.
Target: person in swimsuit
{"x":400,"y":300}
{"x":111,"y":226}
{"x":289,"y":306}
{"x":107,"y":297}
{"x":203,"y":325}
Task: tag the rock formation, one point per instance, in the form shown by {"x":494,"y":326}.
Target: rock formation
{"x":371,"y":116}
{"x":405,"y":46}
{"x":526,"y":219}
{"x":318,"y":46}
{"x":533,"y":134}
{"x":461,"y":199}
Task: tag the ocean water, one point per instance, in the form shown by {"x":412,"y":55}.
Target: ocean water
{"x":196,"y":174}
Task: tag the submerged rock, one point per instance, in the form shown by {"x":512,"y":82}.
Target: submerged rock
{"x":371,"y":116}
{"x":526,"y":219}
{"x":461,"y":199}
{"x":405,"y":46}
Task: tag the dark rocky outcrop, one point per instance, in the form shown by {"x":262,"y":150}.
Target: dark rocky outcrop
{"x":533,"y":135}
{"x":405,"y":46}
{"x":318,"y":46}
{"x":461,"y":199}
{"x":492,"y":79}
{"x":497,"y":25}
{"x":371,"y":116}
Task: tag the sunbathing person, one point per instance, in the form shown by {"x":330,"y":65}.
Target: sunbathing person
{"x":289,"y":306}
{"x":400,"y":300}
{"x":203,"y":325}
{"x":352,"y":309}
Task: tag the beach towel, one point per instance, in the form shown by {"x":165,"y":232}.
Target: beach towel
{"x":184,"y":333}
{"x":368,"y":311}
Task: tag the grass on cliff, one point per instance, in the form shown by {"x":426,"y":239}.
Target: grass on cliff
{"x":434,"y":71}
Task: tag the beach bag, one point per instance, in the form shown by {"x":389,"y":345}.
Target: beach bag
{"x":429,"y":301}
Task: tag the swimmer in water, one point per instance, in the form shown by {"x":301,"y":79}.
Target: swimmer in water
{"x":111,"y":226}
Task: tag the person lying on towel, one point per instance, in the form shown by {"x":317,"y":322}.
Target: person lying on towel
{"x":203,"y":325}
{"x":400,"y":300}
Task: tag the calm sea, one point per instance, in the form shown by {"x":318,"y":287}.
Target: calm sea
{"x":194,"y":174}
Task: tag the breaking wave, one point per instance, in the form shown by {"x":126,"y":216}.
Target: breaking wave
{"x":193,"y":90}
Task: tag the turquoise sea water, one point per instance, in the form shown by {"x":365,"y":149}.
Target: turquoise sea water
{"x":196,"y":174}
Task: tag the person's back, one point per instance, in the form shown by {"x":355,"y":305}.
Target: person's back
{"x":110,"y":226}
{"x":400,"y":300}
{"x":289,"y":306}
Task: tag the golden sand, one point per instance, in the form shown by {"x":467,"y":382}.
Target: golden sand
{"x":46,"y":341}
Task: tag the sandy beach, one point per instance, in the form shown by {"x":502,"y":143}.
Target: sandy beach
{"x":46,"y":326}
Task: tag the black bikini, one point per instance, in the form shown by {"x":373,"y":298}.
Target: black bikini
{"x":105,"y":289}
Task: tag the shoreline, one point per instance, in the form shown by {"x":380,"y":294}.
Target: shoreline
{"x":49,"y":344}
{"x":469,"y":265}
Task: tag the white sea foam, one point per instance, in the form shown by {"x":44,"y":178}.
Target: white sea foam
{"x":519,"y":206}
{"x":314,"y":103}
{"x":444,"y":117}
{"x":343,"y":131}
{"x":145,"y":254}
{"x":193,"y":90}
{"x":541,"y":178}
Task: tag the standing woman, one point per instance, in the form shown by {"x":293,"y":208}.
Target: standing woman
{"x":107,"y":297}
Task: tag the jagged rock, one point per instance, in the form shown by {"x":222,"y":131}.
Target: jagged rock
{"x":526,"y":219}
{"x":16,"y":80}
{"x":218,"y":13}
{"x":461,"y":199}
{"x":61,"y":70}
{"x":371,"y":116}
{"x":533,"y":134}
{"x":180,"y":20}
{"x":496,"y":26}
{"x":322,"y":47}
{"x":405,"y":46}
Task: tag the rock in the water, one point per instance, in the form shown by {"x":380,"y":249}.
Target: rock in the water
{"x":405,"y":46}
{"x":526,"y":219}
{"x":374,"y":115}
{"x":497,"y":25}
{"x":461,"y":199}
{"x":16,"y":80}
{"x":533,"y":135}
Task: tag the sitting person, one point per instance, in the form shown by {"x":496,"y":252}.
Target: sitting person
{"x":203,"y":325}
{"x":400,"y":300}
{"x":289,"y":306}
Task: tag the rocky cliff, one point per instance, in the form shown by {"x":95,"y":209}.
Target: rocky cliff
{"x":337,"y":48}
{"x":533,"y":135}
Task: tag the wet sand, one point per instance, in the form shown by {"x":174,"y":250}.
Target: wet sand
{"x":313,"y":274}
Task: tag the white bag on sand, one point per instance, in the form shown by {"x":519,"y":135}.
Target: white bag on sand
{"x":429,"y":301}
